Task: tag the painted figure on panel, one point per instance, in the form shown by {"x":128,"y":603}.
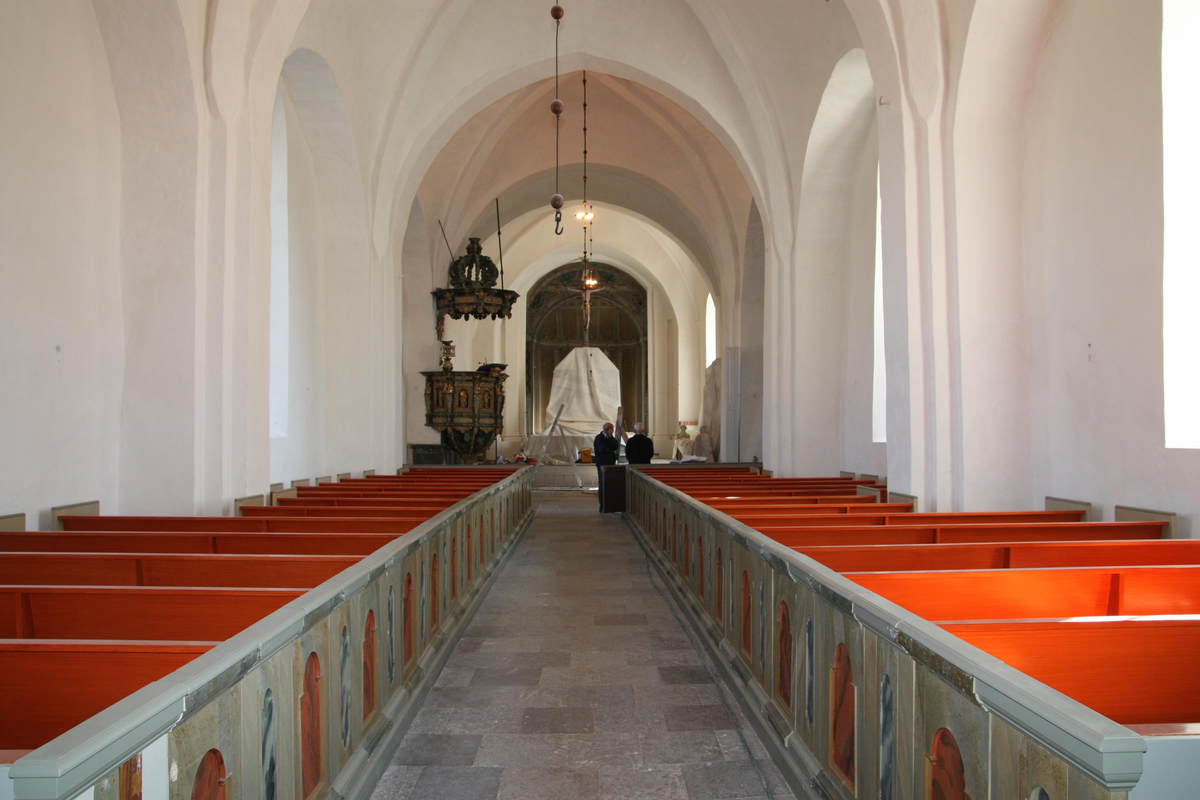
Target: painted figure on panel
{"x":130,"y":779}
{"x":210,"y":777}
{"x":947,"y":778}
{"x":345,"y":676}
{"x":368,"y":666}
{"x":746,"y":612}
{"x":391,"y":619}
{"x":310,"y":725}
{"x":408,"y":619}
{"x":719,"y":589}
{"x":842,"y":711}
{"x":268,"y":746}
{"x":809,"y":677}
{"x":887,"y":739}
{"x":784,"y":688}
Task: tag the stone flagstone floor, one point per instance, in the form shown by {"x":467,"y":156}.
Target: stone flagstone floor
{"x":574,"y":680}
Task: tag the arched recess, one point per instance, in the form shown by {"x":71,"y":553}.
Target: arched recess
{"x":752,"y":307}
{"x":833,"y":245}
{"x":1001,"y":60}
{"x":338,"y":312}
{"x":554,"y":327}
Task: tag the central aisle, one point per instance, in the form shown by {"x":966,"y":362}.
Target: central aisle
{"x":575,"y":680}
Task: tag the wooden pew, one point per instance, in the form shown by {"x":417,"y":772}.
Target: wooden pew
{"x":330,"y":512}
{"x":1132,"y":671}
{"x":158,"y":569}
{"x":48,"y":687}
{"x":872,"y":558}
{"x":317,"y":544}
{"x":803,"y":537}
{"x":1039,"y":593}
{"x":134,"y":612}
{"x":874,"y":517}
{"x":299,"y":524}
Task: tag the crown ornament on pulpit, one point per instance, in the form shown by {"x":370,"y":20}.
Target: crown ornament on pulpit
{"x":472,"y":292}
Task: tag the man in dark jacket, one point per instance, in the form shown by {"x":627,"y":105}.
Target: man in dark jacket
{"x":604,"y":453}
{"x":639,"y":449}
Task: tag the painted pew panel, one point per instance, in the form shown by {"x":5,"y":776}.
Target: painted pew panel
{"x":873,"y":558}
{"x":1039,"y":593}
{"x":143,"y":569}
{"x":142,"y":612}
{"x":1132,"y":671}
{"x":381,"y":524}
{"x":178,"y":542}
{"x":48,"y":687}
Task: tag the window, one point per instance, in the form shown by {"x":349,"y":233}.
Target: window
{"x":1181,"y":207}
{"x":710,"y":332}
{"x":879,"y":373}
{"x":279,"y":338}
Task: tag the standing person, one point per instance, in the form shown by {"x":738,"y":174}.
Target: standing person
{"x":639,"y":449}
{"x":604,"y":451}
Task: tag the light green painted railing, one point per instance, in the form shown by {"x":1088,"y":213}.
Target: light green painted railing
{"x":903,"y":680}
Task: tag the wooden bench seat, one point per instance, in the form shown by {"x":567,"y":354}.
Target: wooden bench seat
{"x":48,"y":687}
{"x":330,"y":512}
{"x":891,"y":558}
{"x":295,"y":524}
{"x":1039,"y":593}
{"x":803,"y":537}
{"x":924,"y":518}
{"x":398,"y":504}
{"x":134,"y":612}
{"x":1140,"y":671}
{"x":158,"y":569}
{"x":344,"y":544}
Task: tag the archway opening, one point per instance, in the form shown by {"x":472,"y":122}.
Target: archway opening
{"x":556,"y":325}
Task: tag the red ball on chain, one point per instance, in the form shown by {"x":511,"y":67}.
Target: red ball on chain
{"x":556,"y":11}
{"x":556,"y":107}
{"x":557,"y":201}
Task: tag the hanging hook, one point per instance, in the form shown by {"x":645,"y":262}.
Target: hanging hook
{"x":558,"y":228}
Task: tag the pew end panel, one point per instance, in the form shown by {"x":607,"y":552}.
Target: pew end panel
{"x":1062,"y":504}
{"x":1131,"y":514}
{"x":90,"y":508}
{"x":10,"y":523}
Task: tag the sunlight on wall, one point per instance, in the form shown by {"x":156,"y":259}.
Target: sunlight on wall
{"x":879,"y":378}
{"x":280,"y":264}
{"x":710,"y":332}
{"x":1181,"y":209}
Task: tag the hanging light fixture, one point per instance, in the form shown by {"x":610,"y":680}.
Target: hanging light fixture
{"x":556,"y":108}
{"x":586,"y":214}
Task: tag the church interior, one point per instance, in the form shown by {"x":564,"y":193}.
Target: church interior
{"x":312,"y":311}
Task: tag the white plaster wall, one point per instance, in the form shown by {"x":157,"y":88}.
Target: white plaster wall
{"x":859,"y":452}
{"x":1093,"y":246}
{"x":301,"y":454}
{"x":420,"y":349}
{"x":750,"y":342}
{"x":815,"y":285}
{"x":62,"y":353}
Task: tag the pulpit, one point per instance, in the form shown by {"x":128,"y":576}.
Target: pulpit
{"x":467,"y":408}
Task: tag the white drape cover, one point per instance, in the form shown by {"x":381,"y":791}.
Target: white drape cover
{"x":588,"y":386}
